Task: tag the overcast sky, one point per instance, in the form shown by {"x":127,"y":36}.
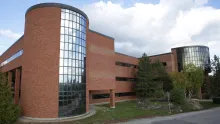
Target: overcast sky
{"x":138,"y":26}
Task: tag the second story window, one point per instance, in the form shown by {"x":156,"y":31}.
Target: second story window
{"x":13,"y":57}
{"x":125,"y":64}
{"x":125,"y":79}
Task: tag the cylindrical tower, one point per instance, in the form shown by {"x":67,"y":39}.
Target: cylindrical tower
{"x":53,"y":81}
{"x":197,"y":55}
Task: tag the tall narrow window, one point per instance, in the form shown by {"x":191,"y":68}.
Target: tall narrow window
{"x":72,"y":81}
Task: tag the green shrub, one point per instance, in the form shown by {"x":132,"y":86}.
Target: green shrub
{"x":216,"y":100}
{"x":177,"y":96}
{"x":159,"y":94}
{"x":9,"y":112}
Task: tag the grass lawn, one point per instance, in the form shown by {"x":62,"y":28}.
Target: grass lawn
{"x":123,"y":111}
{"x":208,"y":105}
{"x":126,"y":111}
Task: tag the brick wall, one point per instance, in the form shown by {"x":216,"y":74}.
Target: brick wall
{"x":164,"y":58}
{"x":40,"y":70}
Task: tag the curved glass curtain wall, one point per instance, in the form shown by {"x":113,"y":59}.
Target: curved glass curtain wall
{"x":72,"y":80}
{"x":198,"y":55}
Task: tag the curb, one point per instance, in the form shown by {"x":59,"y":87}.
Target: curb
{"x":91,"y":112}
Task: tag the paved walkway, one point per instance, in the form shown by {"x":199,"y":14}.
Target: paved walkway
{"x":25,"y":120}
{"x":211,"y":116}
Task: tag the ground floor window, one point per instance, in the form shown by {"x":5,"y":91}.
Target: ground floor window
{"x":102,"y":96}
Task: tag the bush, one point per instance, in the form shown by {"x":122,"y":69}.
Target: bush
{"x":177,"y":96}
{"x":216,"y":100}
{"x":159,"y":94}
{"x":9,"y":112}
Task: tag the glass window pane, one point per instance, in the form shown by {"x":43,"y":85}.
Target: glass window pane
{"x":70,"y":39}
{"x":66,"y":23}
{"x":61,"y":53}
{"x":67,"y":16}
{"x":65,"y":78}
{"x":66,"y":30}
{"x":71,"y":17}
{"x":65,"y":70}
{"x":61,"y":78}
{"x":62,"y":45}
{"x":62,"y":30}
{"x":77,"y":48}
{"x":65,"y":62}
{"x":62,"y":15}
{"x":61,"y":62}
{"x":61,"y":70}
{"x":74,"y":47}
{"x":66,"y":46}
{"x":74,"y":18}
{"x":70,"y":62}
{"x":74,"y":63}
{"x":65,"y":54}
{"x":74,"y":25}
{"x":70,"y":54}
{"x":62,"y":38}
{"x":70,"y":48}
{"x":70,"y":31}
{"x":77,"y":19}
{"x":77,"y":26}
{"x":77,"y":64}
{"x":74,"y":32}
{"x":80,"y":49}
{"x":62,"y":23}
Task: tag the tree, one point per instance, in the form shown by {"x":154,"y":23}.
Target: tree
{"x":179,"y":81}
{"x":215,"y":80}
{"x":145,"y":86}
{"x":190,"y":79}
{"x":194,"y":79}
{"x":161,"y":75}
{"x":9,"y":112}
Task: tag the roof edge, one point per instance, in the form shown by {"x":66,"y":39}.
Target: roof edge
{"x":125,"y":55}
{"x":101,"y":34}
{"x":190,"y":46}
{"x":159,"y":54}
{"x":12,"y":45}
{"x":59,"y":5}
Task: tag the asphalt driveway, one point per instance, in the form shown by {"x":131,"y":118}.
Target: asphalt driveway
{"x":211,"y":116}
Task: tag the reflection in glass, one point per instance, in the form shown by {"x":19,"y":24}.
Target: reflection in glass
{"x":72,"y":82}
{"x":198,"y":55}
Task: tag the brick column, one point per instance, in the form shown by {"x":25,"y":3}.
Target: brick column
{"x":87,"y":100}
{"x":90,"y":97}
{"x":17,"y":85}
{"x":112,"y":98}
{"x":9,"y":78}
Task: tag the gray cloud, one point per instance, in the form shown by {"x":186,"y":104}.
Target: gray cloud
{"x":156,"y":28}
{"x":209,"y":32}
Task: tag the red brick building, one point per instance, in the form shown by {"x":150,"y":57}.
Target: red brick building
{"x":60,"y":66}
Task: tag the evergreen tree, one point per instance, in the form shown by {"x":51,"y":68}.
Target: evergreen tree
{"x":215,"y":80}
{"x":145,"y":86}
{"x":161,"y":75}
{"x":9,"y":112}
